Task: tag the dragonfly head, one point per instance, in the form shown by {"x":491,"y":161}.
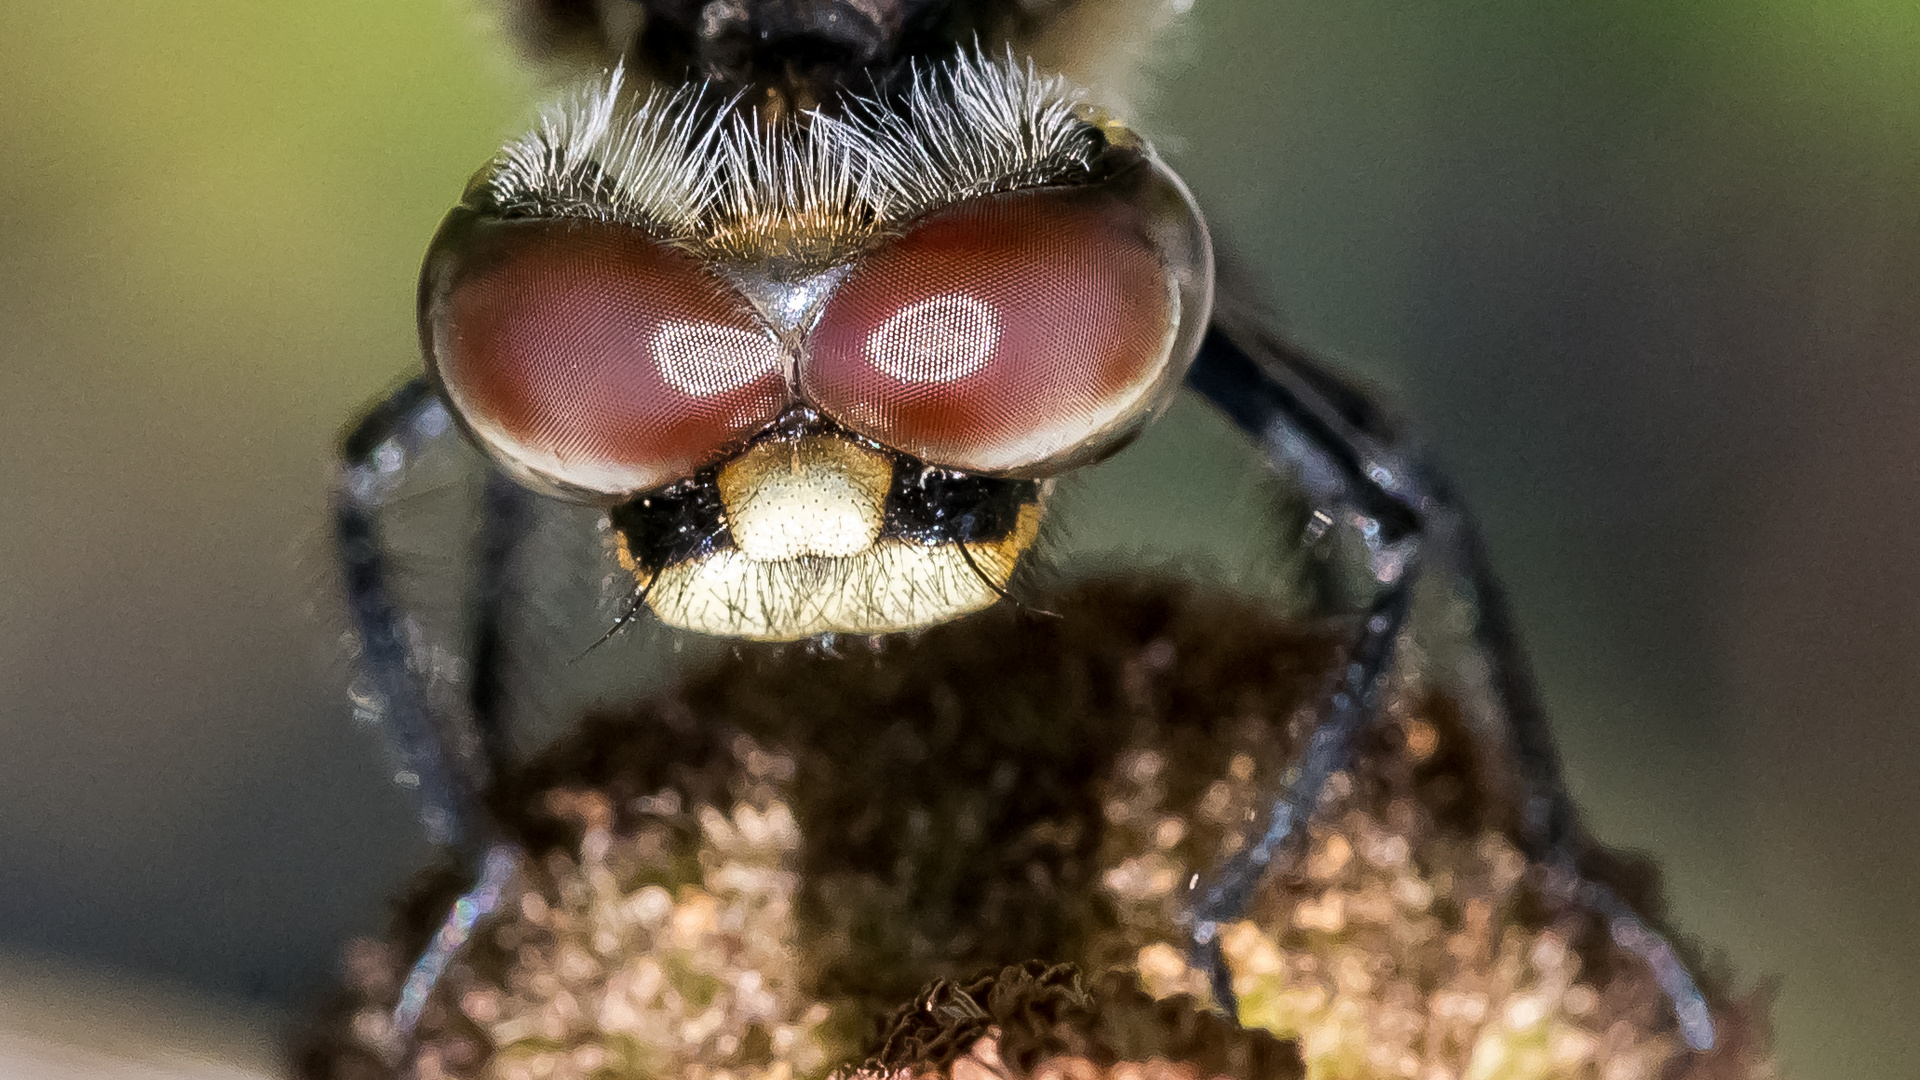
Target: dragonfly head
{"x":821,"y":370}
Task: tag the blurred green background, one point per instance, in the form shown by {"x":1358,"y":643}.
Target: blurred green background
{"x":1645,"y":270}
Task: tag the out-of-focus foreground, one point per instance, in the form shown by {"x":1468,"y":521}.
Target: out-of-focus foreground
{"x":62,"y":1021}
{"x":1645,"y":272}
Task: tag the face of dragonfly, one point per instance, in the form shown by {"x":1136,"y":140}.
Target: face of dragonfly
{"x":820,"y":368}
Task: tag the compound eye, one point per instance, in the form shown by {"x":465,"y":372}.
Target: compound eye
{"x":1010,"y":333}
{"x":592,"y":357}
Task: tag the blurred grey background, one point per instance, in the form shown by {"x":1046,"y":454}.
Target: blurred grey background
{"x":1644,"y":270}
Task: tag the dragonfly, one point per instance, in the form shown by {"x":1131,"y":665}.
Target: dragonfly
{"x":814,"y":303}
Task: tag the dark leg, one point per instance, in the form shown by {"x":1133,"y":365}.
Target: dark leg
{"x":1550,"y":821}
{"x":1350,"y":706}
{"x":389,"y":687}
{"x":1353,"y":464}
{"x":496,"y":869}
{"x":452,"y":759}
{"x":506,"y":516}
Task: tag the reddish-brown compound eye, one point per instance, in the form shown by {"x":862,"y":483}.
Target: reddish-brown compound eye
{"x":591,"y":356}
{"x":1007,"y":333}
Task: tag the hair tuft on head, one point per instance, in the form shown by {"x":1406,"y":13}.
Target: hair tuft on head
{"x":700,"y":172}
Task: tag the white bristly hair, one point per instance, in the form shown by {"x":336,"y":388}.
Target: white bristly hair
{"x":783,"y":180}
{"x":968,"y":128}
{"x":597,"y":154}
{"x":701,"y":174}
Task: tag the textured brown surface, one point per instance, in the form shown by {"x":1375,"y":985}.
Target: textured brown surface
{"x":744,"y":878}
{"x":1037,"y":1019}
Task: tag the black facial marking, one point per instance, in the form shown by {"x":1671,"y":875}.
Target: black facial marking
{"x":941,"y":506}
{"x":924,"y":504}
{"x":676,"y":523}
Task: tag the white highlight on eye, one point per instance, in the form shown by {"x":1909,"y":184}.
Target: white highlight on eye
{"x":936,"y":340}
{"x":703,"y":359}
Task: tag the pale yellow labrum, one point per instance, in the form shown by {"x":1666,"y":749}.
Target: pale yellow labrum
{"x":815,"y":495}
